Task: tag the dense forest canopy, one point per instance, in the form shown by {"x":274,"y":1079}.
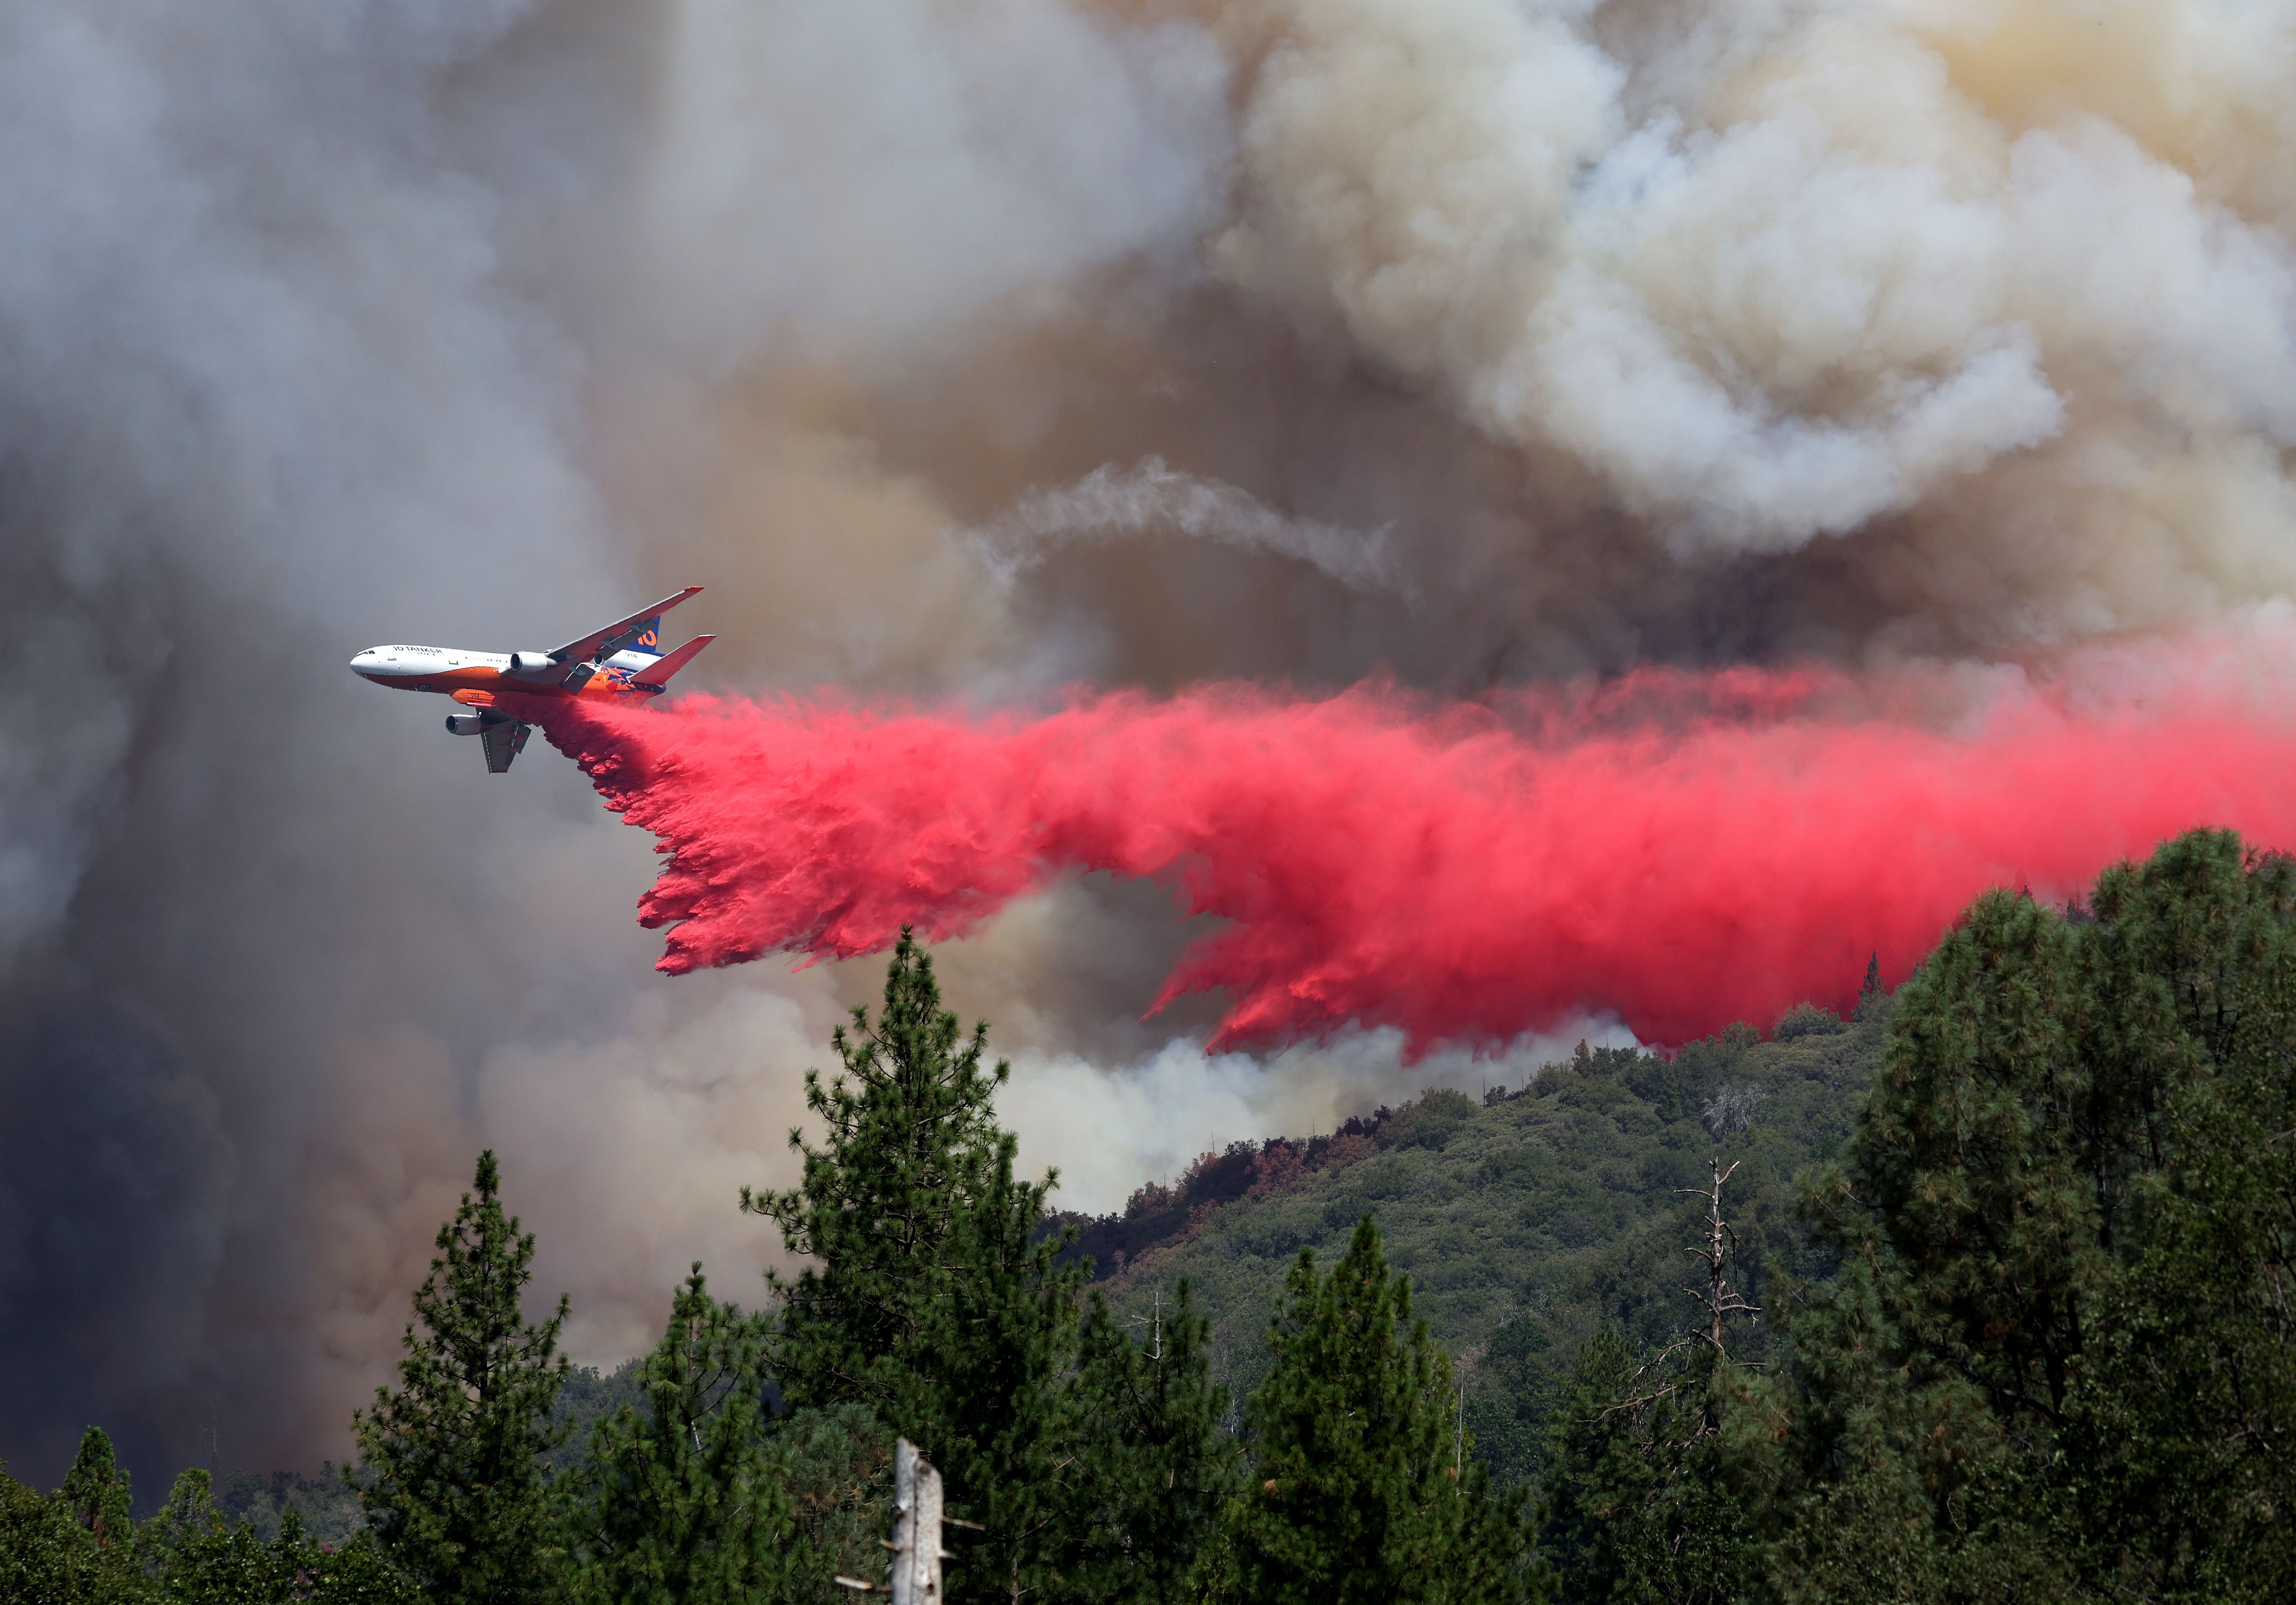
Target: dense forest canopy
{"x":1528,"y":1223}
{"x":1982,"y":1293}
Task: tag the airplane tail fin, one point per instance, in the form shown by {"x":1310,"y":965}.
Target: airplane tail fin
{"x":659,"y":672}
{"x":645,"y":636}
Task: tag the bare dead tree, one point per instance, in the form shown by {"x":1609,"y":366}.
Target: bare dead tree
{"x":915,"y":1544}
{"x":1720,"y":1250}
{"x":1663,"y":1375}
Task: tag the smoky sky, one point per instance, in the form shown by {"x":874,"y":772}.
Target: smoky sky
{"x":963,"y":352}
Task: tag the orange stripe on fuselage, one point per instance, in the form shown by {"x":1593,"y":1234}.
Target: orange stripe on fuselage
{"x":476,"y":685}
{"x":449,"y":681}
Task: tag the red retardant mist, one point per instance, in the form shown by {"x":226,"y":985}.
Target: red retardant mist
{"x":1680,"y":850}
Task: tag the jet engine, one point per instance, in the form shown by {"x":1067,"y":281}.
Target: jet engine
{"x":470,"y":724}
{"x":531,"y":663}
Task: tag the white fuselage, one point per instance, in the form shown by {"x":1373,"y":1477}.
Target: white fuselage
{"x":409,"y":668}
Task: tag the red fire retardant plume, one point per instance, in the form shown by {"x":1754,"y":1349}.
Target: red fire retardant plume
{"x":1681,"y":851}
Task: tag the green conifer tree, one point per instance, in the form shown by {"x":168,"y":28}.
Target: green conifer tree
{"x":1361,"y":1489}
{"x":95,"y":1492}
{"x":1156,"y":1463}
{"x":1639,"y":1503}
{"x":356,"y":1572}
{"x":1928,"y":1378}
{"x":455,"y":1486}
{"x":910,"y":1142}
{"x":1599,"y":1477}
{"x":2179,"y":1443}
{"x":680,"y":1503}
{"x":933,"y":1298}
{"x":1875,"y":1487}
{"x":1973,"y":1164}
{"x":1872,"y":997}
{"x":837,"y":1463}
{"x":196,"y":1556}
{"x":999,"y":1412}
{"x":2052,"y":1356}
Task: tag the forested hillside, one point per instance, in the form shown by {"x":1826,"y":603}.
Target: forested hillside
{"x":1982,"y":1295}
{"x":1526,"y":1223}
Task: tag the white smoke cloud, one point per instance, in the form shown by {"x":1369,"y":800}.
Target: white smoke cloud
{"x":1151,"y":497}
{"x":51,"y":781}
{"x":1110,"y":1128}
{"x":1835,"y":279}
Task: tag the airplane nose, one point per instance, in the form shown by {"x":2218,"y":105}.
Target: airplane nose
{"x":364,"y":663}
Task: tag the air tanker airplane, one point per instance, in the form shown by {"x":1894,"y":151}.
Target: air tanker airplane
{"x":623,"y":661}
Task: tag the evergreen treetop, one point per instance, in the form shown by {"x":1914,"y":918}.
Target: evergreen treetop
{"x":1157,"y":1463}
{"x":1361,"y":1489}
{"x":996,"y":1406}
{"x":2055,"y":1359}
{"x":911,"y":1143}
{"x":49,"y":1556}
{"x":681,"y":1504}
{"x":2179,"y":1441}
{"x":454,"y":1483}
{"x":933,"y":1298}
{"x":96,"y":1491}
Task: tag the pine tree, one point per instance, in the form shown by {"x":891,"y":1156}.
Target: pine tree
{"x":355,"y":1572}
{"x":837,"y":1463}
{"x":1929,"y":1381}
{"x":999,"y":1412}
{"x":1872,"y":997}
{"x":1156,"y":1465}
{"x":455,"y":1489}
{"x":1971,"y":1161}
{"x":1601,"y":1477}
{"x":2055,"y":1355}
{"x":2180,"y":1435}
{"x":909,"y":1147}
{"x":1879,"y":1487}
{"x":1361,"y":1489}
{"x":95,"y":1492}
{"x":933,"y":1299}
{"x":1640,"y":1502}
{"x":681,"y":1504}
{"x":2180,"y":1438}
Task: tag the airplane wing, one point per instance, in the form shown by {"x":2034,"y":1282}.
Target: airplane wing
{"x":662,"y":668}
{"x":604,"y":644}
{"x":504,"y":743}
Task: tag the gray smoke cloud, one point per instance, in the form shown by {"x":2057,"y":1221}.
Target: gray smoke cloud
{"x":968,"y":351}
{"x":263,"y":395}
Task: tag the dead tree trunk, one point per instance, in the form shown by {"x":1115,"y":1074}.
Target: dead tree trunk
{"x":915,"y":1542}
{"x":916,"y":1527}
{"x":1720,"y":1298}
